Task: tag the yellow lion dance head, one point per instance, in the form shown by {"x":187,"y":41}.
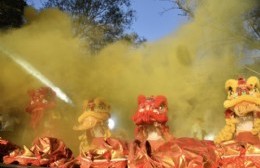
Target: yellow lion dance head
{"x":95,"y":112}
{"x":243,"y":98}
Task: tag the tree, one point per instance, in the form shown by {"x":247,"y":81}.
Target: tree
{"x":99,"y":21}
{"x":251,"y":19}
{"x":11,"y":13}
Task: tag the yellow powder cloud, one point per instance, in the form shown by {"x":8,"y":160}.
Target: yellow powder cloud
{"x":189,"y":67}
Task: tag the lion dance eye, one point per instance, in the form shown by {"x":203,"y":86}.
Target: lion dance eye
{"x":162,"y":107}
{"x":230,"y":90}
{"x":102,"y":106}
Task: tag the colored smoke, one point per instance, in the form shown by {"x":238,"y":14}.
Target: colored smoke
{"x":189,"y":67}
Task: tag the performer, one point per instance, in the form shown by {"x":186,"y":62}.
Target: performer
{"x":239,"y":144}
{"x":154,"y":146}
{"x":98,"y":148}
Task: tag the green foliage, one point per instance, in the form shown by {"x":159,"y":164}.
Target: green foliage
{"x":11,"y":13}
{"x":98,"y":21}
{"x":251,"y":19}
{"x":253,"y":22}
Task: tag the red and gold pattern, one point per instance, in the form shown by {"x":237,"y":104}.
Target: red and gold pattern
{"x":175,"y":153}
{"x":104,"y":153}
{"x":234,"y":154}
{"x":5,"y":148}
{"x":46,"y":151}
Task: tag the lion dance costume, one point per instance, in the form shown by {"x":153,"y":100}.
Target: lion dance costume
{"x":238,"y":141}
{"x":41,"y":100}
{"x":45,"y":152}
{"x":154,"y":146}
{"x":98,"y":148}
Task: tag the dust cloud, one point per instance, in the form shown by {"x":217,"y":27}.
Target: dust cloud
{"x":189,"y":67}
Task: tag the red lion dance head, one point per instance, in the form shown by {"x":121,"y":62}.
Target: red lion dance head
{"x":150,"y":110}
{"x":151,"y":115}
{"x":40,"y":100}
